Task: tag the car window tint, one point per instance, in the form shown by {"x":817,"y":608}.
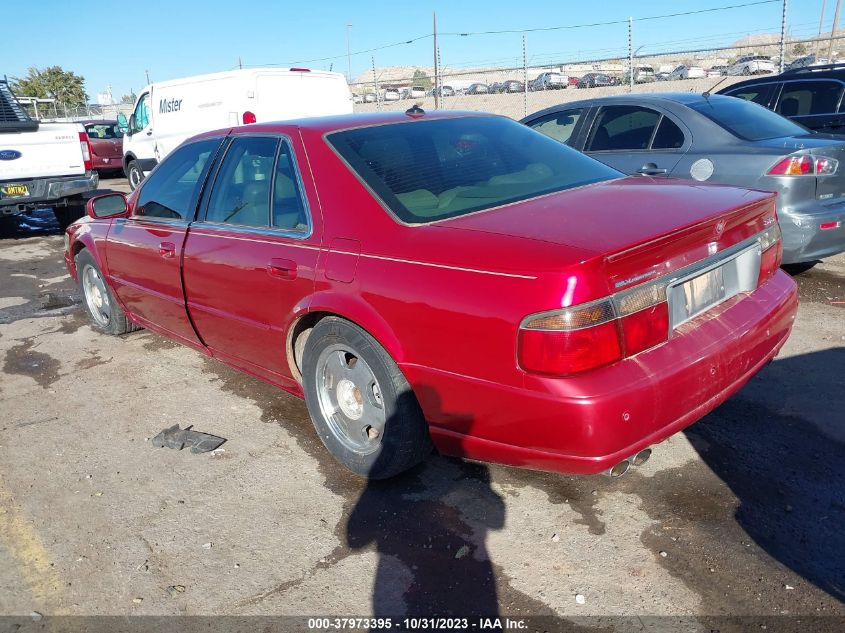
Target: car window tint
{"x":745,"y":119}
{"x":434,"y":169}
{"x":98,"y":131}
{"x":241,"y":193}
{"x":809,"y":97}
{"x":288,"y":201}
{"x":668,"y":136}
{"x":170,"y":191}
{"x":622,"y":127}
{"x":558,"y":125}
{"x":757,"y":94}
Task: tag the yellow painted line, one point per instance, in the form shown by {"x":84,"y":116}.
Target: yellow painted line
{"x":21,"y":541}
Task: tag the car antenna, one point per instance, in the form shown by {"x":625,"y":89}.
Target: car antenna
{"x":706,"y":94}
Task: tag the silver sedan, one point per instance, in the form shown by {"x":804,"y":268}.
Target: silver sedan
{"x":718,"y":139}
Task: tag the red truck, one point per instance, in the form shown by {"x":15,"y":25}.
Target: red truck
{"x":453,"y":278}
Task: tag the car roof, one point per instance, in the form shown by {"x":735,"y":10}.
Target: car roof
{"x":824,"y":71}
{"x":645,"y":98}
{"x":327,"y":124}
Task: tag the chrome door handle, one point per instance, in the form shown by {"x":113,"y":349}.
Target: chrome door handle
{"x":167,"y":249}
{"x":650,"y":169}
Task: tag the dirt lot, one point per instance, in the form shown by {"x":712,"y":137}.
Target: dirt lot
{"x":740,"y":516}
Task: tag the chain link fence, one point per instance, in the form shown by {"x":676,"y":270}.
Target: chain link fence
{"x":47,"y":110}
{"x":517,"y":91}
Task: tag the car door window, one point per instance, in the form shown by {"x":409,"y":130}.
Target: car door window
{"x":170,"y":192}
{"x":241,"y":193}
{"x":801,"y":98}
{"x":623,"y":128}
{"x":668,"y":136}
{"x":289,"y":209}
{"x":758,"y":94}
{"x":142,"y":113}
{"x":559,"y":125}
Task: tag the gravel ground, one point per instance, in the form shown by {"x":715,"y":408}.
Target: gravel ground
{"x":739,"y":516}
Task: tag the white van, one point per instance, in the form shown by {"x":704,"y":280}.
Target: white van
{"x":168,"y":112}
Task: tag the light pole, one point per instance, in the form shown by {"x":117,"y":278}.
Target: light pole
{"x":631,"y":69}
{"x":348,"y":56}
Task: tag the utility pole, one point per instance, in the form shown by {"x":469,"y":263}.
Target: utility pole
{"x":630,"y":54}
{"x":240,"y":65}
{"x":348,"y":56}
{"x":524,"y":78}
{"x":436,"y":67}
{"x":147,"y":73}
{"x":782,"y":36}
{"x":833,"y":30}
{"x":375,"y":84}
{"x":821,"y":21}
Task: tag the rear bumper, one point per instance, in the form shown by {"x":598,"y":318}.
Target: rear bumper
{"x":588,"y":423}
{"x":804,"y":240}
{"x":107,"y":162}
{"x":43,"y":191}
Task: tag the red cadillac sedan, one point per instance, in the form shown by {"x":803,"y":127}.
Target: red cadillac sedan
{"x":454,"y":279}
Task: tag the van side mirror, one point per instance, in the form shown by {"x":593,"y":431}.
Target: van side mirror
{"x":109,"y":205}
{"x":130,"y":130}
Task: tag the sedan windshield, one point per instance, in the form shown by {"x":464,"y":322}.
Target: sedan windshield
{"x":746,"y":119}
{"x":430,"y":170}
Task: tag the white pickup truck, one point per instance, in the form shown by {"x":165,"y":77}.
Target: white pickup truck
{"x":42,"y":164}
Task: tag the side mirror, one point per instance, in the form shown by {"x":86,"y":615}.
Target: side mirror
{"x":130,"y":129}
{"x":109,"y":205}
{"x":122,"y":124}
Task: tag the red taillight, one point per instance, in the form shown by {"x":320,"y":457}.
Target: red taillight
{"x":771,"y":255}
{"x":804,"y":165}
{"x":827,"y":226}
{"x":646,"y":328}
{"x":248,"y":117}
{"x":569,"y":351}
{"x":85,"y":144}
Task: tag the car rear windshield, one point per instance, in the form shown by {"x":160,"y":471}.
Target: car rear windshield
{"x":430,"y":170}
{"x":746,"y":119}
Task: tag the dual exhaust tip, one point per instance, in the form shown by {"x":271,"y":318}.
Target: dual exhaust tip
{"x":622,"y":467}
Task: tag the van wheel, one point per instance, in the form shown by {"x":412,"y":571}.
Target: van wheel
{"x":134,"y":174}
{"x":103,"y":309}
{"x":362,"y":407}
{"x":66,"y":216}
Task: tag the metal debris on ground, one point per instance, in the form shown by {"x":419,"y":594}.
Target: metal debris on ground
{"x":177,"y":438}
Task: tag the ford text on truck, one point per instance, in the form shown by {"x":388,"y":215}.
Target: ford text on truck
{"x":42,"y":164}
{"x":168,"y":112}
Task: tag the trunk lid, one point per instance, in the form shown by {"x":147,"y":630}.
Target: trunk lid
{"x":641,"y":228}
{"x":828,"y":187}
{"x":53,"y":150}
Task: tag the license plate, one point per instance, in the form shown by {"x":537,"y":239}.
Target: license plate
{"x":14,"y":191}
{"x":703,"y":292}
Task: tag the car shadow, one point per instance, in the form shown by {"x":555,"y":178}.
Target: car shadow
{"x":429,"y":528}
{"x":778,"y":445}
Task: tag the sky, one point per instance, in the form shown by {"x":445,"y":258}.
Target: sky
{"x":118,"y":45}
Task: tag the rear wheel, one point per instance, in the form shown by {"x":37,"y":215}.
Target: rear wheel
{"x":361,"y":405}
{"x":105,"y":313}
{"x":797,"y":269}
{"x":134,"y":174}
{"x":66,"y":216}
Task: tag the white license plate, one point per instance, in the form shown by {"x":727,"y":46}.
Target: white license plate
{"x":703,"y":292}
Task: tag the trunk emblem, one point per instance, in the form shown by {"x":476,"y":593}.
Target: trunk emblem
{"x":9,"y":154}
{"x":720,"y":227}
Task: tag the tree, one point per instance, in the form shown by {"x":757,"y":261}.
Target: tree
{"x":66,"y":87}
{"x":129,"y":98}
{"x":799,"y":49}
{"x":422,"y":80}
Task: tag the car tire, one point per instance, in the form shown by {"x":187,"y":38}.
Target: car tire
{"x":66,"y":216}
{"x":134,"y":174}
{"x":362,"y":407}
{"x":100,"y":303}
{"x":797,"y":269}
{"x":746,"y":70}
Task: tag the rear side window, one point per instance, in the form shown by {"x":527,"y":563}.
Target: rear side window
{"x":430,"y":170}
{"x":746,"y":120}
{"x":241,"y":192}
{"x":803,"y":98}
{"x":623,"y":127}
{"x":758,"y":94}
{"x":171,"y":191}
{"x":668,"y":136}
{"x":559,"y":125}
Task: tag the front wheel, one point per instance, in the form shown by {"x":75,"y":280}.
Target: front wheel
{"x":105,"y":313}
{"x":362,"y":407}
{"x":134,"y":174}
